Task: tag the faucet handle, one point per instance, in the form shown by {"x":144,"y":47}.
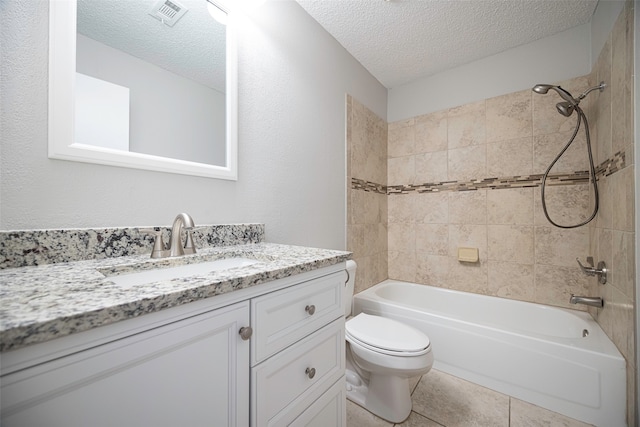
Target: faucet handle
{"x":600,"y":270}
{"x":189,"y":246}
{"x":159,"y":249}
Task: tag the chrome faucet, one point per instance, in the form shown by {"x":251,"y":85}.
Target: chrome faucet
{"x":175,"y":248}
{"x":182,"y":222}
{"x":592,"y":301}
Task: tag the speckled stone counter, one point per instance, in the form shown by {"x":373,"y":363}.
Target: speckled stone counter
{"x":40,"y":303}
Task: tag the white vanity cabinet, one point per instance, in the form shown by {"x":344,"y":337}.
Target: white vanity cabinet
{"x":190,"y":366}
{"x":298,"y":355}
{"x":193,"y":372}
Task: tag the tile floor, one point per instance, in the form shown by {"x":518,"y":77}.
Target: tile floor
{"x":442,"y":400}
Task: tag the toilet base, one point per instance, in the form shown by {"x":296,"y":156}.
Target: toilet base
{"x":386,"y":396}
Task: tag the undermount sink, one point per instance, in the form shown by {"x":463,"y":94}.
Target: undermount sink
{"x":170,"y":273}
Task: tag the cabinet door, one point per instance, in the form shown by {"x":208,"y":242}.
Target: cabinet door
{"x":194,"y":372}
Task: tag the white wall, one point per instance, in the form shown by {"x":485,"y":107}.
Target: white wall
{"x":160,"y":124}
{"x":293,"y":80}
{"x":559,"y":57}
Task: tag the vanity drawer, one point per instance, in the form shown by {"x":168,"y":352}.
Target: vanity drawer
{"x":289,"y":382}
{"x":283,"y":317}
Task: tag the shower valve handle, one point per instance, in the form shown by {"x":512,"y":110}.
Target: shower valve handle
{"x":600,"y":271}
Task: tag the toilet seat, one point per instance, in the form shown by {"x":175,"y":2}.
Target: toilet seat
{"x":387,"y":336}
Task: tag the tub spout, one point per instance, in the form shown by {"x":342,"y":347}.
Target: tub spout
{"x":592,"y":301}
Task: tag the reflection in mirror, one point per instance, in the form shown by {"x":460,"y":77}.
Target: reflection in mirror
{"x":155,"y":86}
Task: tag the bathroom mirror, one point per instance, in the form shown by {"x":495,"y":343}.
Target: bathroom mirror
{"x":74,"y":78}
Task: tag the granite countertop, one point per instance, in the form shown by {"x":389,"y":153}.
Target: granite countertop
{"x":54,"y":300}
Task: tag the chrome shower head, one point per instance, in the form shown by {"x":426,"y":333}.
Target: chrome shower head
{"x":541,"y":88}
{"x":565,"y":108}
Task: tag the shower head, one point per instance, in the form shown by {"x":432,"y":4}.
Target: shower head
{"x":565,"y":108}
{"x":544,"y":88}
{"x":541,"y":88}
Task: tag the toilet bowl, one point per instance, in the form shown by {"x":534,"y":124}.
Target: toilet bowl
{"x":382,"y":355}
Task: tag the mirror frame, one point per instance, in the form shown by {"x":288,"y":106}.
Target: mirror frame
{"x":62,"y":70}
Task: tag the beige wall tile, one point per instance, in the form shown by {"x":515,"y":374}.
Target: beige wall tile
{"x":604,"y":218}
{"x":432,"y":269}
{"x":604,"y":251}
{"x":509,"y":116}
{"x":401,"y":208}
{"x":622,"y":319}
{"x":510,"y":158}
{"x":623,"y":199}
{"x":431,"y":208}
{"x":468,"y":236}
{"x":602,"y":108}
{"x":402,"y":266}
{"x":401,"y":124}
{"x":431,"y":167}
{"x":432,"y":239}
{"x":511,"y":243}
{"x":554,"y":285}
{"x":467,"y":163}
{"x":547,"y":147}
{"x":619,"y":84}
{"x":621,"y":260}
{"x":366,"y":207}
{"x":401,"y":171}
{"x":468,"y":207}
{"x":375,"y":238}
{"x":468,"y":277}
{"x":355,"y":239}
{"x":431,"y":132}
{"x":510,"y":206}
{"x":402,"y":237}
{"x":559,"y":247}
{"x":566,"y":204}
{"x":401,"y":139}
{"x":466,"y":125}
{"x":511,"y":280}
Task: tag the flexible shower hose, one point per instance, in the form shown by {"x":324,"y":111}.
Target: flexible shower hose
{"x":592,"y":172}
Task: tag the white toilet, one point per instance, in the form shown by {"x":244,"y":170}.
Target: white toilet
{"x":382,"y":354}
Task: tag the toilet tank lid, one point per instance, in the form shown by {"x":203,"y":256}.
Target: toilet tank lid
{"x":385,"y":333}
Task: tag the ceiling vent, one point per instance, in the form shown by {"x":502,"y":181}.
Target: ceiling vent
{"x":168,"y":12}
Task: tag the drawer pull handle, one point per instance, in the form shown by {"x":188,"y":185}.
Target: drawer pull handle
{"x":245,"y":332}
{"x":311,"y":372}
{"x":310,"y":309}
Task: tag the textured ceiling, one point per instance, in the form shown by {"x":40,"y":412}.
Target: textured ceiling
{"x":399,"y":41}
{"x":194,"y":47}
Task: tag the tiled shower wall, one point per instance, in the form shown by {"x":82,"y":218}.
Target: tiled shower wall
{"x":482,"y":162}
{"x":470,"y":177}
{"x":367,"y":210}
{"x":612,"y":235}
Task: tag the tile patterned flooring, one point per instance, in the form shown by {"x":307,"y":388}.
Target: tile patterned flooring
{"x":442,"y":400}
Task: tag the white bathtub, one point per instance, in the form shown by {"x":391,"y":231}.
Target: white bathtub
{"x":533,"y":352}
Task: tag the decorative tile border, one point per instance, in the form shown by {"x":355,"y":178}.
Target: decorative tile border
{"x":606,"y":168}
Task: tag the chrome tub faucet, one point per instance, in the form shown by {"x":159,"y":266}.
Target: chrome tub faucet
{"x":592,"y":301}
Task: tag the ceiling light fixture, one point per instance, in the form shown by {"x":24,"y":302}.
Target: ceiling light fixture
{"x":218,"y":11}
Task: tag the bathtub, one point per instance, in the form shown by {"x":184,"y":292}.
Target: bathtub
{"x":555,"y":358}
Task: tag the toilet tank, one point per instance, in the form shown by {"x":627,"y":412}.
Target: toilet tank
{"x":349,"y":287}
